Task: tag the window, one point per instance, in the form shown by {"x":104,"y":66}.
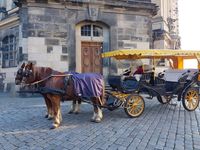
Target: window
{"x":86,"y":30}
{"x":97,"y":31}
{"x":9,"y":52}
{"x":92,"y":30}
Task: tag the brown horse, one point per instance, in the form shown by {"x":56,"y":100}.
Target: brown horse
{"x":40,"y":74}
{"x":53,"y":85}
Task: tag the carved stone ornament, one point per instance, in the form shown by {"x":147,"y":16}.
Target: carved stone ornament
{"x":93,"y":12}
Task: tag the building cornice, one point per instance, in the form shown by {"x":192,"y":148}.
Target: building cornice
{"x":11,"y":21}
{"x":137,"y":5}
{"x":12,"y":11}
{"x":130,"y":5}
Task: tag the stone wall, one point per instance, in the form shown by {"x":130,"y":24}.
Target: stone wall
{"x":49,"y":30}
{"x":46,"y":32}
{"x":127,"y":29}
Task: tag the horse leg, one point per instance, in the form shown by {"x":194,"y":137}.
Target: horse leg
{"x":98,"y":115}
{"x":73,"y":107}
{"x":49,"y":114}
{"x":77,"y":108}
{"x":55,"y":100}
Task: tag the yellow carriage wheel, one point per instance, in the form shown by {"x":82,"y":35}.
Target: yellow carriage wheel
{"x":134,"y":106}
{"x":191,"y":99}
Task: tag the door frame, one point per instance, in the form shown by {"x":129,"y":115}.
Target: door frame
{"x":80,"y":39}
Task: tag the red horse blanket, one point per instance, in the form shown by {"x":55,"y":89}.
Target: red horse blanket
{"x":88,"y":84}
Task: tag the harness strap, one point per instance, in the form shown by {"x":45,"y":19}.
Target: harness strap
{"x":52,"y":75}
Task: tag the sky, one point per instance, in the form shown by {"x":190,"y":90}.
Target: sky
{"x":189,"y":27}
{"x":189,"y":24}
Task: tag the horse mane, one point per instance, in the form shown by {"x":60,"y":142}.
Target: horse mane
{"x":42,"y":72}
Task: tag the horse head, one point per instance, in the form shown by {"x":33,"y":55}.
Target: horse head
{"x":19,"y":75}
{"x":29,"y":73}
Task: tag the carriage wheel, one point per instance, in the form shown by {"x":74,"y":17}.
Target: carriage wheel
{"x":191,"y":99}
{"x":164,"y":99}
{"x":134,"y":106}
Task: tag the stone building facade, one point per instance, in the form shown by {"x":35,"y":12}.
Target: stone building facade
{"x":72,"y":34}
{"x":165,"y":25}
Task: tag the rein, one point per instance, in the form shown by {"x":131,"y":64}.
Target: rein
{"x":42,"y":80}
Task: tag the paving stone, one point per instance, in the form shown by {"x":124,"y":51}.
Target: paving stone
{"x":23,"y":126}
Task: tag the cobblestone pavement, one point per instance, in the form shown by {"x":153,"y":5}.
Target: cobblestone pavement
{"x":23,"y":126}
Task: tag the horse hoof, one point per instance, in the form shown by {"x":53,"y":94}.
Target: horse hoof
{"x":92,"y":120}
{"x":54,"y":126}
{"x":50,"y":118}
{"x":97,"y":121}
{"x":70,"y":112}
{"x":77,"y":112}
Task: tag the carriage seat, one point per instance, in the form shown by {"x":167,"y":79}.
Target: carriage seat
{"x":115,"y":82}
{"x":173,"y":75}
{"x":175,"y":80}
{"x":128,"y":84}
{"x":125,"y":85}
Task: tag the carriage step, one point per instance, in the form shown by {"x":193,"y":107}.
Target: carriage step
{"x":149,"y":97}
{"x":169,"y":93}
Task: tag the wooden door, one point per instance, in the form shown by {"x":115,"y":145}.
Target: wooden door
{"x":91,"y":57}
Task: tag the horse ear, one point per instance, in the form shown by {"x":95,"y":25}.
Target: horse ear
{"x":23,"y":65}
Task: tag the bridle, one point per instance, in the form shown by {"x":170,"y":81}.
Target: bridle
{"x":20,"y":74}
{"x":28,"y":73}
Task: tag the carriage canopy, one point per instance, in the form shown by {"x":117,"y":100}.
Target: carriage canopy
{"x":178,"y":55}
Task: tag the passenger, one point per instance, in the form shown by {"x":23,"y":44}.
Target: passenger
{"x":139,"y":70}
{"x":127,"y":72}
{"x":133,"y":71}
{"x":134,"y":74}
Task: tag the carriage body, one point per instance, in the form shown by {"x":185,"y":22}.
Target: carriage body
{"x":179,"y":83}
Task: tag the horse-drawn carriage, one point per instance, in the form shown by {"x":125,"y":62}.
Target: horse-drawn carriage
{"x":179,"y":83}
{"x":126,"y":92}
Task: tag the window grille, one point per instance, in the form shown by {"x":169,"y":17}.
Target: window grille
{"x":97,"y":31}
{"x":92,"y":31}
{"x":9,"y":52}
{"x":86,"y":30}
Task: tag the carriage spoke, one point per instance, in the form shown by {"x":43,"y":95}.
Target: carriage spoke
{"x":134,"y":105}
{"x":191,"y":99}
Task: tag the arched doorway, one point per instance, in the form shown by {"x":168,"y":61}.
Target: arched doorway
{"x":91,"y":38}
